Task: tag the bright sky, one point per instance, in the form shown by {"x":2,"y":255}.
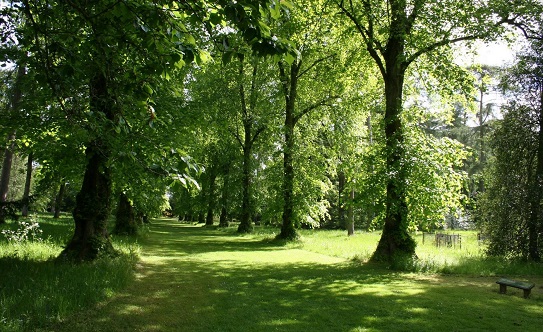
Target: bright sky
{"x":495,"y":54}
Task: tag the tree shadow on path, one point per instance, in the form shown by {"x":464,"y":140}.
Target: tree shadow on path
{"x":199,"y":279}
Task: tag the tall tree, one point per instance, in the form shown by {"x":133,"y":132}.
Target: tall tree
{"x":252,"y":128}
{"x":117,"y":51}
{"x":316,"y":61}
{"x":14,"y":105}
{"x":512,"y":210}
{"x":396,"y":33}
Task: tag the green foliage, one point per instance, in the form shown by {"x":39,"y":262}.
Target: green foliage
{"x":503,"y":206}
{"x":511,"y":208}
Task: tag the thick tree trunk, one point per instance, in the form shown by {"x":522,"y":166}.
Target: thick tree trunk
{"x":92,"y":207}
{"x":290,"y":84}
{"x":5,"y":177}
{"x":246,"y":224}
{"x":91,"y":238}
{"x":395,"y":242}
{"x":288,"y":230}
{"x":59,"y":199}
{"x":26,"y":194}
{"x":15,"y":102}
{"x":125,"y":221}
{"x":247,"y":109}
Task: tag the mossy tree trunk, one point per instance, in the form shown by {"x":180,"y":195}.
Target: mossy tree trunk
{"x":125,"y":222}
{"x":15,"y":101}
{"x":92,"y":208}
{"x":59,"y":198}
{"x":28,"y":180}
{"x":395,"y":242}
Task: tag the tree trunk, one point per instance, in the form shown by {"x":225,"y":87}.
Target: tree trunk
{"x":288,"y":230}
{"x":26,"y":194}
{"x":350,"y":215}
{"x":211,"y":198}
{"x":92,"y":207}
{"x":482,"y":156}
{"x":246,"y":225}
{"x":125,"y":223}
{"x":223,"y":219}
{"x":59,"y":199}
{"x":341,"y":200}
{"x":4,"y":180}
{"x":395,"y":242}
{"x":15,"y":102}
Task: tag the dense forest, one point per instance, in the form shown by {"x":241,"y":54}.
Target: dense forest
{"x":358,"y":115}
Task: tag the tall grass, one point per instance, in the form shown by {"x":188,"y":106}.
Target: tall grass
{"x":35,"y":290}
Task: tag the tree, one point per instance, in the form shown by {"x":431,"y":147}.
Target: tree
{"x":517,"y":174}
{"x":317,"y":61}
{"x":117,"y":51}
{"x":14,"y":105}
{"x":397,"y":33}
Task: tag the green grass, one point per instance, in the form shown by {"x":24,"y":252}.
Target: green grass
{"x":34,"y":290}
{"x":194,"y":278}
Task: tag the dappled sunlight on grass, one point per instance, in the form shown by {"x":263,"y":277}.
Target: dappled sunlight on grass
{"x":192,"y":278}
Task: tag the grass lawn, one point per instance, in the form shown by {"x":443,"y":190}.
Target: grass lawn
{"x":194,"y":278}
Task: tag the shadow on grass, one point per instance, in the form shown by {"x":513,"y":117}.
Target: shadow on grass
{"x":198,"y":279}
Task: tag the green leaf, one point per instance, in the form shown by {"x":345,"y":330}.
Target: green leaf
{"x":147,"y":88}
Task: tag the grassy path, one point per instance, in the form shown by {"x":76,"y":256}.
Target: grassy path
{"x":199,"y":279}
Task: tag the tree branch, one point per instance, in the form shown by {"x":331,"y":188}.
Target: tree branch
{"x":372,"y":45}
{"x":322,"y":102}
{"x":316,"y":63}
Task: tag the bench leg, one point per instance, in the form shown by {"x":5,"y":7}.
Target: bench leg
{"x":527,"y":293}
{"x":503,"y":289}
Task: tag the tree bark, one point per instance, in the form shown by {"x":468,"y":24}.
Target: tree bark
{"x":92,"y":209}
{"x":290,"y":84}
{"x":350,"y":215}
{"x":59,"y":199}
{"x":28,"y":180}
{"x":125,"y":221}
{"x":211,"y":198}
{"x":223,"y":218}
{"x":395,"y":242}
{"x":15,"y":102}
{"x":5,"y":177}
{"x":249,"y":137}
{"x":246,"y":225}
{"x":341,"y":200}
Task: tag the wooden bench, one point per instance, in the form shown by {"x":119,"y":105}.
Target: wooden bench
{"x":525,"y":286}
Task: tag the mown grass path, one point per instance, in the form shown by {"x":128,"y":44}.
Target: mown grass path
{"x":200,"y":279}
